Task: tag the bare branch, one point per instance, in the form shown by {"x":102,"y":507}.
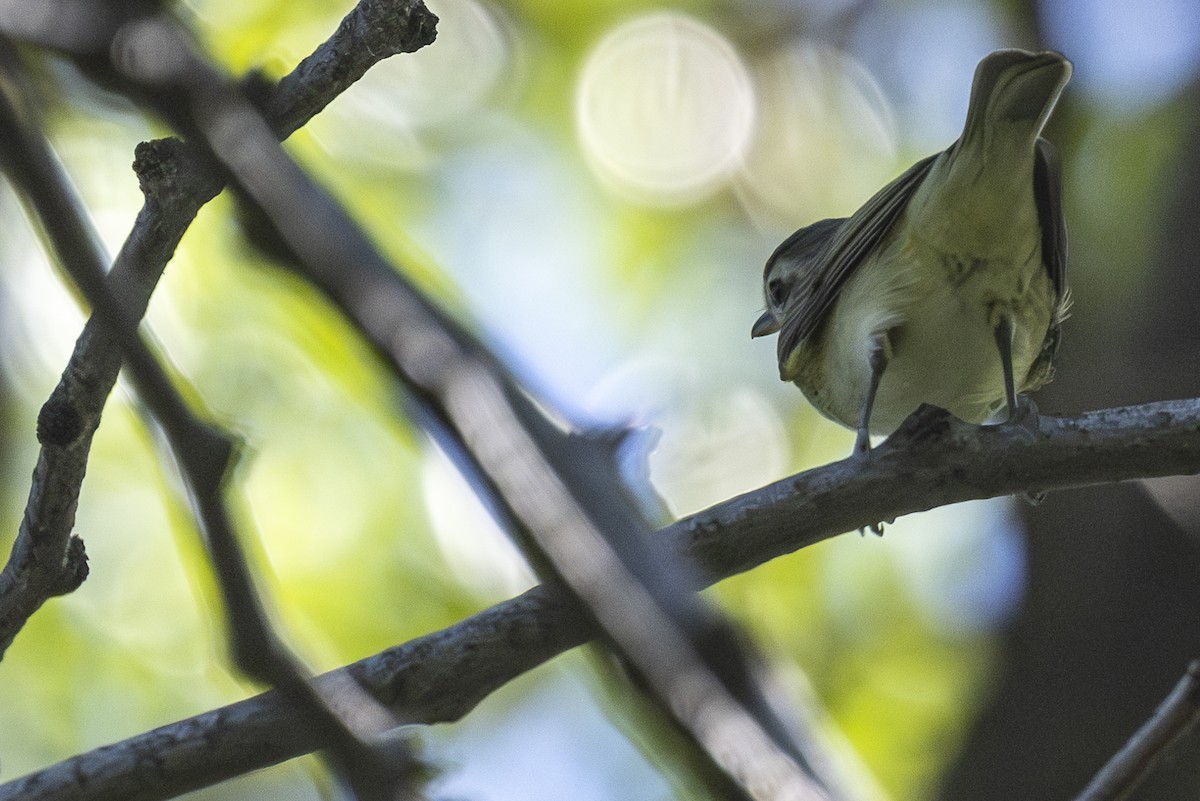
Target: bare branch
{"x":203,"y":453}
{"x":474,"y":397}
{"x":575,"y":517}
{"x":1178,"y":713}
{"x":373,"y":31}
{"x":933,"y":460}
{"x":444,"y":675}
{"x":46,"y":560}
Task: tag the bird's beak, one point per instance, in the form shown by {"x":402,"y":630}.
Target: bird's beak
{"x":767,"y":324}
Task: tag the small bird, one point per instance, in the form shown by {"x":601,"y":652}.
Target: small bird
{"x":947,"y":287}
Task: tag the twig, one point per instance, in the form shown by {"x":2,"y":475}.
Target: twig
{"x":46,"y":559}
{"x":442,"y":676}
{"x":1178,"y":713}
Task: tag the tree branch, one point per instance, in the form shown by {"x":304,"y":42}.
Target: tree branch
{"x":933,"y":460}
{"x":1177,"y":714}
{"x":442,"y":676}
{"x":46,"y":559}
{"x":518,"y":450}
{"x":576,"y":520}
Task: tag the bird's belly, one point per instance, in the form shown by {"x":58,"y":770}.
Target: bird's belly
{"x":943,"y":345}
{"x":944,"y":354}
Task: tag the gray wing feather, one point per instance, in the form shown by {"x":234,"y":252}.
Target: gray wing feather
{"x":1047,"y":192}
{"x":854,"y":240}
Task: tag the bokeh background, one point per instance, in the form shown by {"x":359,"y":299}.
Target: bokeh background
{"x":595,"y":187}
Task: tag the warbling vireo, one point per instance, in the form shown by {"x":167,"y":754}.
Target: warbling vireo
{"x":958,"y":261}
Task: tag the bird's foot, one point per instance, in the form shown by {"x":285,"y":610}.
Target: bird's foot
{"x":862,"y":450}
{"x":1024,"y":419}
{"x":1034,"y":497}
{"x":862,"y":445}
{"x":1025,"y":416}
{"x":875,"y":528}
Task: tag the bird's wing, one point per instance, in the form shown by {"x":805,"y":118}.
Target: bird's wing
{"x":854,"y":240}
{"x":1047,"y":193}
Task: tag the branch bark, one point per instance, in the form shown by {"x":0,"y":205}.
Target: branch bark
{"x":931,"y":460}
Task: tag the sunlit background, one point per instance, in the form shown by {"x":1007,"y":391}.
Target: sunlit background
{"x":595,"y":186}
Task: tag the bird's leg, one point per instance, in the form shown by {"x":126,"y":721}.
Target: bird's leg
{"x":878,"y":353}
{"x":1021,"y":410}
{"x":1004,"y":343}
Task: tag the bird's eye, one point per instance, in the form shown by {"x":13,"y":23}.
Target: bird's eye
{"x":777,"y":292}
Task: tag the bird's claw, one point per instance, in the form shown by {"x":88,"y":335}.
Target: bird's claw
{"x":862,"y":445}
{"x":1025,"y":417}
{"x":875,"y":528}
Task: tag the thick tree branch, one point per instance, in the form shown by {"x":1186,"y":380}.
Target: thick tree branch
{"x":46,"y":560}
{"x":932,"y":460}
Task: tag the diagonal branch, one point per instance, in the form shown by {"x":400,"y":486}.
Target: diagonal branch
{"x":443,"y":676}
{"x":46,"y":559}
{"x":535,"y":469}
{"x":1177,"y":714}
{"x":519,"y":451}
{"x":576,"y":521}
